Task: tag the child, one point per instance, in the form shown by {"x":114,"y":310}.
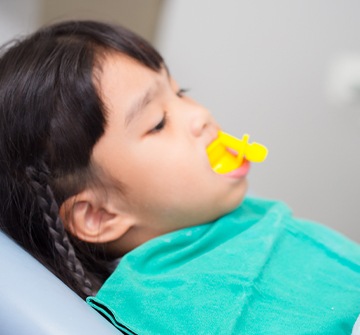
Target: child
{"x":103,"y":156}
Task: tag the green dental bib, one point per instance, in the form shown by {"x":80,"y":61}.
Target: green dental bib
{"x":254,"y":271}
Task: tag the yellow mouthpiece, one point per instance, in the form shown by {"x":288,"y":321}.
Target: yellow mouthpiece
{"x":227,"y":152}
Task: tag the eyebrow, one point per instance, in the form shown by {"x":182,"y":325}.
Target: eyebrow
{"x":138,"y":106}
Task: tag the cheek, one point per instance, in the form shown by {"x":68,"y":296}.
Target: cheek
{"x":159,"y":185}
{"x":165,"y":174}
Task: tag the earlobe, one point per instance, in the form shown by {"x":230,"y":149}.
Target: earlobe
{"x":94,"y":220}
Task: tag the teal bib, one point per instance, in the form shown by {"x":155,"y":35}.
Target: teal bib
{"x":254,"y":271}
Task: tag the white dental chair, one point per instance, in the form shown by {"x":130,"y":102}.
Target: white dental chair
{"x":35,"y":302}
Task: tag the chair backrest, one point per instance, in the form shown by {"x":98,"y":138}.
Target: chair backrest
{"x":35,"y":302}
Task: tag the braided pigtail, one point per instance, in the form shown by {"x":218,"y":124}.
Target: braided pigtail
{"x":51,"y":117}
{"x":65,"y":252}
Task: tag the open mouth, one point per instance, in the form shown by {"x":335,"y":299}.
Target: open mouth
{"x":241,"y":171}
{"x":224,"y":160}
{"x":230,"y":155}
{"x":233,"y":152}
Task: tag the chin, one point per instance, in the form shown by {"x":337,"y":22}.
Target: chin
{"x":228,"y":208}
{"x":236,"y":200}
{"x":235,"y":205}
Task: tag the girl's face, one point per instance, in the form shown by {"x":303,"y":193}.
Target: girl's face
{"x":155,"y":145}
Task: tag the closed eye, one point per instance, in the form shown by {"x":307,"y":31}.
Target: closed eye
{"x":181,"y":92}
{"x":161,"y":125}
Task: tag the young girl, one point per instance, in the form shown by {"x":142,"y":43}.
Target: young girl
{"x":102,"y":156}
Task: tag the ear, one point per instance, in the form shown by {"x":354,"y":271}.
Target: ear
{"x":95,"y":219}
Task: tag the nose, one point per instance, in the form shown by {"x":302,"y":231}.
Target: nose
{"x":203,"y":122}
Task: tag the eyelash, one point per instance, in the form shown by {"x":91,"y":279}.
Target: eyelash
{"x":181,"y":92}
{"x":160,"y":126}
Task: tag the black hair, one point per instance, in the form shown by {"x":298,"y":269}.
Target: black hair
{"x":51,"y":116}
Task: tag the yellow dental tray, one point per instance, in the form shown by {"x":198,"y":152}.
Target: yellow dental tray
{"x":227,"y":152}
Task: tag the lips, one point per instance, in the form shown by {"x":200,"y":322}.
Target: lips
{"x":230,"y":156}
{"x":240,"y":172}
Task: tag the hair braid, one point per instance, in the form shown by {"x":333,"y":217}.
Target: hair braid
{"x":51,"y":111}
{"x":50,"y":211}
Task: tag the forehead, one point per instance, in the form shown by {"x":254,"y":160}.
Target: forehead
{"x":123,"y":80}
{"x":116,"y":67}
{"x":120,"y":72}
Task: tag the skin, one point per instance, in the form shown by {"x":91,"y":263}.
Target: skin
{"x":155,"y":146}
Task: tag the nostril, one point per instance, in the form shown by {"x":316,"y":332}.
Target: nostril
{"x":198,"y":127}
{"x":203,"y":122}
{"x":212,"y":133}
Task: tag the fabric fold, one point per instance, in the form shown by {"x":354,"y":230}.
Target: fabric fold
{"x":254,"y":271}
